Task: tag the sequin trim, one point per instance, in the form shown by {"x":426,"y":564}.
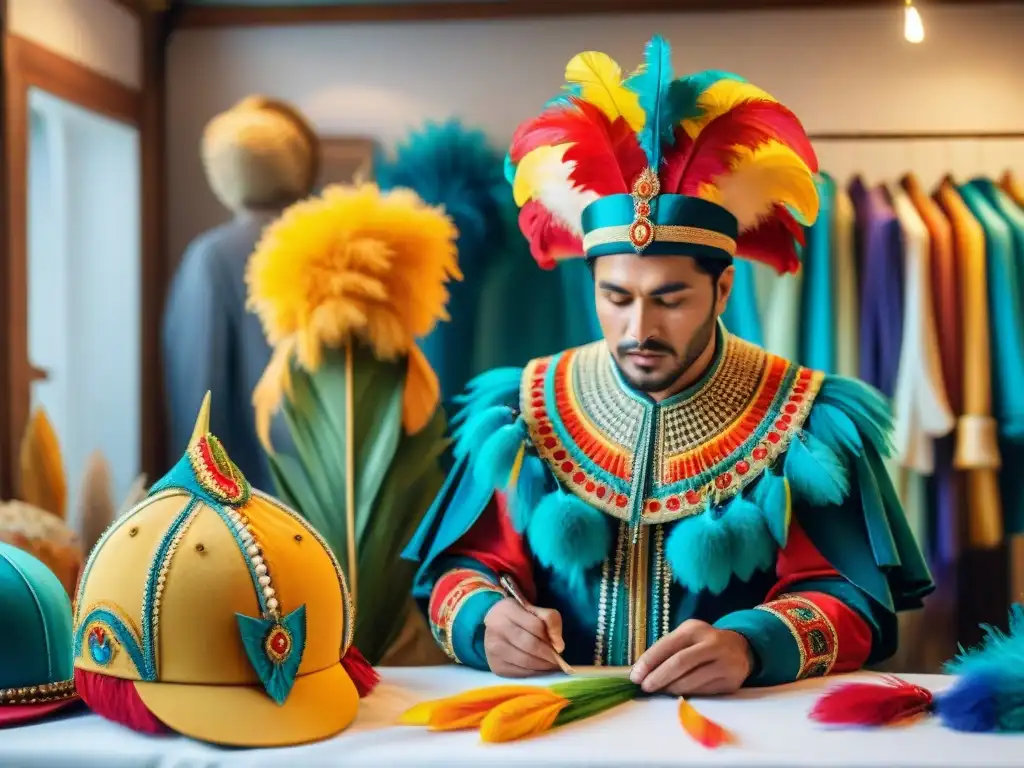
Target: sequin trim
{"x":708,"y":446}
{"x":813,"y":631}
{"x":38,"y":694}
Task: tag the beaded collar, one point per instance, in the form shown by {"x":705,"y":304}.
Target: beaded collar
{"x":642,"y":461}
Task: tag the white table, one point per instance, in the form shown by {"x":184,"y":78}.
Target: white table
{"x":771,"y":725}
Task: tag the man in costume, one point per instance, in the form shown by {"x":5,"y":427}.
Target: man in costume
{"x":672,"y":498}
{"x":260,"y":156}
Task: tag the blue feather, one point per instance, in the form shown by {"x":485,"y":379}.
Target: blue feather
{"x":835,"y":429}
{"x":456,"y":167}
{"x":815,"y":473}
{"x":769,"y":494}
{"x":753,"y":548}
{"x":510,"y":170}
{"x":483,"y":424}
{"x":699,"y":551}
{"x":532,"y":485}
{"x":970,"y":705}
{"x":568,"y":536}
{"x":651,"y":83}
{"x":701,"y":81}
{"x":498,"y":386}
{"x":865,"y":406}
{"x":492,"y":464}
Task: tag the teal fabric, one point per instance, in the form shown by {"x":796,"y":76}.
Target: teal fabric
{"x":742,"y":314}
{"x":468,"y":630}
{"x":35,"y":644}
{"x":818,"y":320}
{"x":775,"y":649}
{"x":864,"y":536}
{"x":1011,"y":447}
{"x":666,"y":210}
{"x":579,"y":304}
{"x":1006,"y":321}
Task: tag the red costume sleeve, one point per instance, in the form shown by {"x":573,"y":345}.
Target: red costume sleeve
{"x":800,"y":562}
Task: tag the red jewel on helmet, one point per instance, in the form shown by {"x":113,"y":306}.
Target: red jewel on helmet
{"x":643,"y":209}
{"x":641,"y":233}
{"x":278,"y":644}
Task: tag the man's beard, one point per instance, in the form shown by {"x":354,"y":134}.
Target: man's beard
{"x":700,"y":341}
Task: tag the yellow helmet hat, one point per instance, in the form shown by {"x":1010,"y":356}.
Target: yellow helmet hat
{"x":214,"y":610}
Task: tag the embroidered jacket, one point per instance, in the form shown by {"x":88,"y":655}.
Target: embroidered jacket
{"x":756,"y":500}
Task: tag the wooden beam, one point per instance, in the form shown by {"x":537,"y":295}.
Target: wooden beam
{"x":253,"y":16}
{"x":155,"y":262}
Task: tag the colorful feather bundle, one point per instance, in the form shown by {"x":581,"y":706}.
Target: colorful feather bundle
{"x":710,"y":135}
{"x":513,"y":712}
{"x":988,"y":694}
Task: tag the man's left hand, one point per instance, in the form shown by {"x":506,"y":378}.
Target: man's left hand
{"x":695,"y":658}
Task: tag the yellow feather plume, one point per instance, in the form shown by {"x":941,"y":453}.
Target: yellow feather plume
{"x":534,"y":169}
{"x":43,"y":484}
{"x":352,"y":265}
{"x":719,"y":99}
{"x":770,"y":174}
{"x":600,"y":79}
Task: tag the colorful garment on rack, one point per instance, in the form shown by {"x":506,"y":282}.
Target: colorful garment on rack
{"x":880,"y":254}
{"x":845,"y":285}
{"x":756,"y":499}
{"x":818,"y":321}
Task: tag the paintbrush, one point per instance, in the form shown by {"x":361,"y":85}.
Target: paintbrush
{"x":510,"y":587}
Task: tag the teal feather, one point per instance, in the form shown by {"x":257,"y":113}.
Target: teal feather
{"x":499,"y":386}
{"x":510,"y":170}
{"x":652,"y":83}
{"x":479,"y":427}
{"x":864,"y":405}
{"x":999,"y":659}
{"x":769,"y":494}
{"x":701,"y":81}
{"x":699,"y":551}
{"x":833,"y":427}
{"x":492,"y":464}
{"x":277,"y":677}
{"x":568,"y":536}
{"x":529,"y":489}
{"x":753,"y":547}
{"x":815,"y":473}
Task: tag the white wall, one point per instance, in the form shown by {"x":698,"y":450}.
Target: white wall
{"x":99,"y":34}
{"x":839,"y":70}
{"x":84,"y":277}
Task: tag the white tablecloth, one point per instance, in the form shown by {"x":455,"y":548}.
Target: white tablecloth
{"x":771,"y":725}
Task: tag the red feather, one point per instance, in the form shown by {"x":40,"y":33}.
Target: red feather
{"x":871,"y":703}
{"x":771,"y":243}
{"x":606,"y":152}
{"x":549,"y":128}
{"x":796,"y":229}
{"x":363,"y":675}
{"x":549,"y":241}
{"x":711,"y":153}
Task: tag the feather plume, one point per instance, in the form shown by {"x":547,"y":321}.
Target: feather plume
{"x":604,"y":151}
{"x":96,"y":510}
{"x":597,"y":78}
{"x":665,"y":101}
{"x":549,"y":241}
{"x":42,"y":467}
{"x":720,"y":97}
{"x":759,"y":179}
{"x":772,"y":243}
{"x":544,"y":176}
{"x":872,"y":703}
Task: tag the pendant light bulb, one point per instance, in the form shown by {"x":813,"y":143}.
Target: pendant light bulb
{"x":913,"y":27}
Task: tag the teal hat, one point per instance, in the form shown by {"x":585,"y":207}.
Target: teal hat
{"x":36,"y":663}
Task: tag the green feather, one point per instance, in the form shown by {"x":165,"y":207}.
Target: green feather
{"x":592,"y":696}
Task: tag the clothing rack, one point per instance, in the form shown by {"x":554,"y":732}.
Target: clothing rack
{"x":915,"y":135}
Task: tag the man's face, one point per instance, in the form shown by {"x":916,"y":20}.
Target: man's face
{"x":658,"y":315}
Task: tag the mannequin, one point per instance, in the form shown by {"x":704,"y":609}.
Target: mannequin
{"x":260,"y":156}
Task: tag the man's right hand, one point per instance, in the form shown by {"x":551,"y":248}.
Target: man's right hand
{"x":517,"y":641}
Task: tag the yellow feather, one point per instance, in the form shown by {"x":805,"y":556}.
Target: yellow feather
{"x":770,"y":174}
{"x":719,"y":99}
{"x":43,"y":483}
{"x":533,"y":169}
{"x":600,"y":78}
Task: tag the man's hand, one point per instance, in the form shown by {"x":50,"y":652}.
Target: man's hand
{"x":517,"y":641}
{"x":696,"y":658}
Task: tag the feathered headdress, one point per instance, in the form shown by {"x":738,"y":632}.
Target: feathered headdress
{"x":706,"y":164}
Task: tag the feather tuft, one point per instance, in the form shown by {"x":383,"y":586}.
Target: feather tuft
{"x":815,"y":473}
{"x":872,"y":704}
{"x":597,"y":78}
{"x":705,"y":732}
{"x":970,"y":705}
{"x":652,"y":83}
